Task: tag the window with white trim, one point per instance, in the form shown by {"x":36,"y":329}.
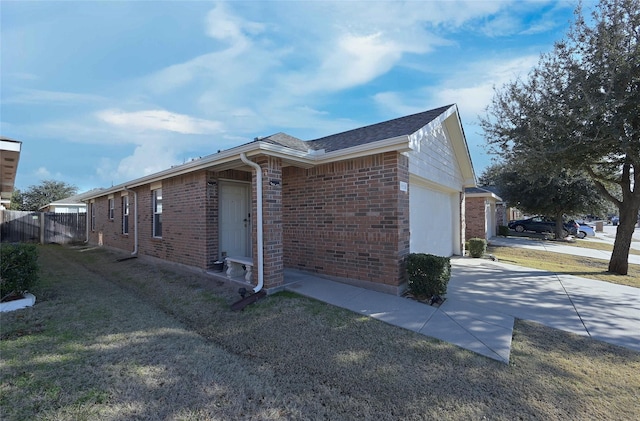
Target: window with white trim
{"x":111,"y":208}
{"x":125,"y":214}
{"x":157,"y":213}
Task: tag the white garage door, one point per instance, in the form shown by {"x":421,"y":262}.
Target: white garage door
{"x":434,"y":221}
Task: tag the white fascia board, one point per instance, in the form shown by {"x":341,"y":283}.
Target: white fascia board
{"x":63,"y":204}
{"x":453,"y":125}
{"x":397,"y":144}
{"x":311,"y":158}
{"x":415,"y":179}
{"x":485,"y":195}
{"x":10,"y":145}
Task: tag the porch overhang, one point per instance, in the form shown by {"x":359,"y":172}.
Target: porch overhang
{"x":9,"y":157}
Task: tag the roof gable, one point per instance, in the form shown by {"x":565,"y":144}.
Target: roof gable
{"x":402,"y":126}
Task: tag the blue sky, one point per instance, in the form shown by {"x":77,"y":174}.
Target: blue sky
{"x":103,"y":92}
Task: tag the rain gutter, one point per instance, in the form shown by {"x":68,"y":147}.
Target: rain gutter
{"x":259,"y":227}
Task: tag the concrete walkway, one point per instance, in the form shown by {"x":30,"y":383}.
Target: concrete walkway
{"x":484,"y":298}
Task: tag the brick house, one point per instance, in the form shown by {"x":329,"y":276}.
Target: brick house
{"x":484,"y":211}
{"x":348,"y":207}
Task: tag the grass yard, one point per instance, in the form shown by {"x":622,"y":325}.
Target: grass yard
{"x":565,"y":264}
{"x":139,"y":340}
{"x":597,"y":245}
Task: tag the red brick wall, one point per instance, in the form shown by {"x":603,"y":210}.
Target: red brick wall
{"x":189,"y":221}
{"x":110,"y":231}
{"x":271,"y":221}
{"x":348,"y":219}
{"x":475,"y":217}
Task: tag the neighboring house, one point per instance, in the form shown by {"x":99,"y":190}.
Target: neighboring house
{"x":9,"y":157}
{"x":348,"y":207}
{"x":71,"y":204}
{"x":484,"y":211}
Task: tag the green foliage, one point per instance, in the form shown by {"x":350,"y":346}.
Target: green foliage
{"x":16,"y":200}
{"x":503,"y":230}
{"x":44,"y":193}
{"x":18,"y":268}
{"x":477,"y":247}
{"x":428,"y":274}
{"x":545,"y":191}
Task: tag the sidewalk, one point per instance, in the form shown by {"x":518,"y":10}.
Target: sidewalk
{"x":469,"y":326}
{"x":535,"y":244}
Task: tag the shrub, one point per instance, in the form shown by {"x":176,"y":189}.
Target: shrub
{"x":503,"y":230}
{"x":428,"y":274}
{"x":477,"y":247}
{"x":18,"y":268}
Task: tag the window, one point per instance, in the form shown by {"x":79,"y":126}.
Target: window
{"x":125,"y":214}
{"x":157,"y":213}
{"x":93,"y":216}
{"x":111,"y":207}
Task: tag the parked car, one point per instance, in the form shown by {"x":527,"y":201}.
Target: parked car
{"x":586,"y":231}
{"x":542,"y":224}
{"x":615,"y":220}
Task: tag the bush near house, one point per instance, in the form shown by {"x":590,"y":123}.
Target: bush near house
{"x":477,"y":247}
{"x":428,"y":274}
{"x":503,"y":230}
{"x":18,"y":268}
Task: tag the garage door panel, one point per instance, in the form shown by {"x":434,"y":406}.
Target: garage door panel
{"x":433,"y":216}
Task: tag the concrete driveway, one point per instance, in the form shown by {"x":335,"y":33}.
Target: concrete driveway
{"x":602,"y":310}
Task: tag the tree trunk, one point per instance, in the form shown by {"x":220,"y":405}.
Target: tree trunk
{"x":619,"y":262}
{"x":559,"y":226}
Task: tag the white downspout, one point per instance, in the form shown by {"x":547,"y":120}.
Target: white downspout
{"x":258,"y":169}
{"x":88,"y":218}
{"x":135,"y":221}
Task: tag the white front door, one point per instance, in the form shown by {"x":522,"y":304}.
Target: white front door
{"x":235,"y":221}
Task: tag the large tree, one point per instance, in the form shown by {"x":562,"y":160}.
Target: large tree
{"x":48,"y":191}
{"x":579,"y":109}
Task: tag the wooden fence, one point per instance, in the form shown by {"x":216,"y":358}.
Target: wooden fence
{"x":42,"y":227}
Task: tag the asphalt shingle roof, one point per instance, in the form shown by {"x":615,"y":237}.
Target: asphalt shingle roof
{"x":402,"y":126}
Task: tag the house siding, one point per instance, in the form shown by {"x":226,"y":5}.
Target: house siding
{"x":433,"y":158}
{"x":437,"y":214}
{"x":348,"y":219}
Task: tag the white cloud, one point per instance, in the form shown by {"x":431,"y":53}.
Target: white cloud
{"x":42,"y":172}
{"x":471,"y":88}
{"x":44,"y":97}
{"x":159,"y":120}
{"x":222,"y":25}
{"x":146,"y":159}
{"x":353,"y":61}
